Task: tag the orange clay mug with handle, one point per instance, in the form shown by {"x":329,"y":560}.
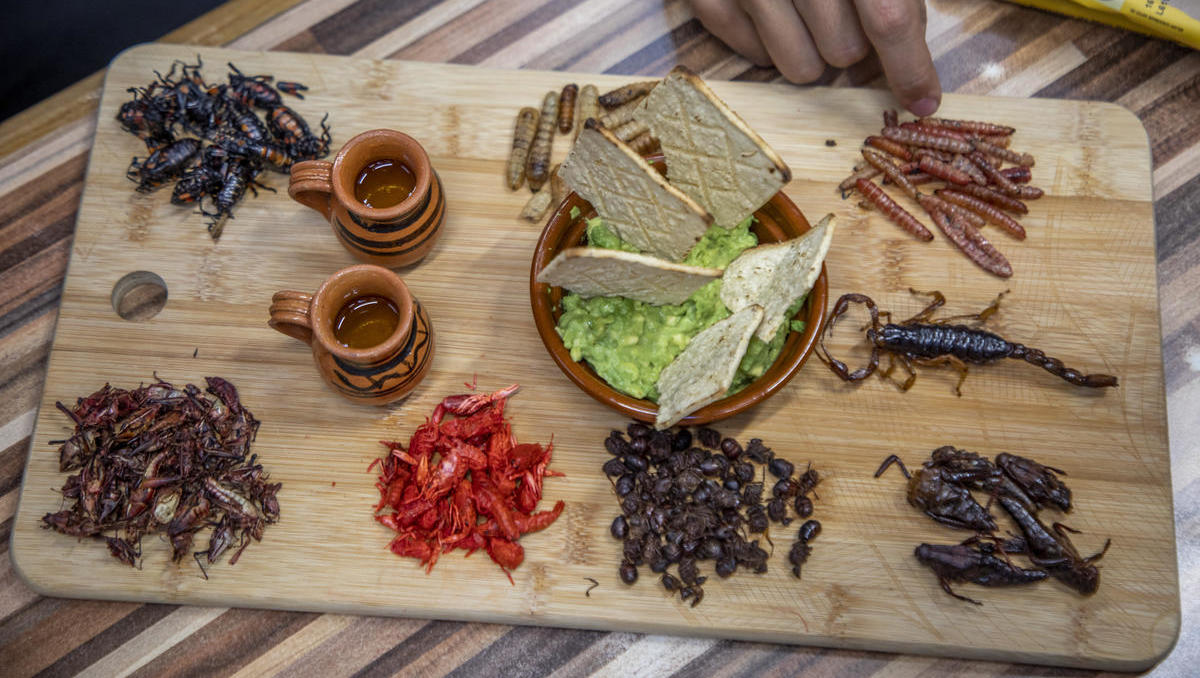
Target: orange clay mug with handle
{"x":395,"y":235}
{"x":374,"y":374}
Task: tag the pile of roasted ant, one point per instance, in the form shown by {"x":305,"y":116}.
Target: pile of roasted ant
{"x":942,"y":489}
{"x":686,"y":499}
{"x":209,"y":138}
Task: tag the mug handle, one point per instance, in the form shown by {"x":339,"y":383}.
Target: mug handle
{"x":290,"y":314}
{"x":311,"y":184}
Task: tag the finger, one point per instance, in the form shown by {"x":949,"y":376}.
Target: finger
{"x":835,"y":30}
{"x":896,"y":28}
{"x":786,"y":38}
{"x":732,"y":26}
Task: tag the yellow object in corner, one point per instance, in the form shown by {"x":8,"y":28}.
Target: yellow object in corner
{"x":1177,"y":20}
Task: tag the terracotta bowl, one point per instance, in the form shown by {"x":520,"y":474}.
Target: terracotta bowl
{"x":778,"y":220}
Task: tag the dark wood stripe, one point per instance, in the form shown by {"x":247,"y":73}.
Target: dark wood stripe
{"x":1012,"y":31}
{"x":658,"y":56}
{"x":303,"y":41}
{"x":737,"y":658}
{"x":1116,"y":69}
{"x":1171,"y":121}
{"x":564,"y":57}
{"x":528,"y":651}
{"x":58,"y":179}
{"x":21,"y":622}
{"x":47,"y":236}
{"x":757,"y":74}
{"x":403,"y":654}
{"x":1175,"y":350}
{"x":45,"y":301}
{"x":12,"y":465}
{"x":71,"y":624}
{"x":514,"y":31}
{"x":1177,"y":216}
{"x":361,"y":23}
{"x":226,"y":644}
{"x":108,"y":640}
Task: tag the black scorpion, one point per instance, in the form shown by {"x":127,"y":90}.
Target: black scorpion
{"x":921,"y":340}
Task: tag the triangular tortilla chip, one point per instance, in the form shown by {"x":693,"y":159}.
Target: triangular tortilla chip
{"x":595,"y":272}
{"x":712,"y":154}
{"x":633,"y":198}
{"x":704,"y":370}
{"x":775,"y":275}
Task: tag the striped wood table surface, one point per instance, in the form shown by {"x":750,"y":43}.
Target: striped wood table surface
{"x":980,"y":47}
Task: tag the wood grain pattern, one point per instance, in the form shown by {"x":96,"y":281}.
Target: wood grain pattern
{"x":1033,"y":54}
{"x":328,"y":555}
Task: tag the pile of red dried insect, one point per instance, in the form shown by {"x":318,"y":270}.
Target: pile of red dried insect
{"x":464,"y":484}
{"x":159,"y":459}
{"x":682,"y":504}
{"x":967,"y":157}
{"x":942,"y":489}
{"x":240,"y":144}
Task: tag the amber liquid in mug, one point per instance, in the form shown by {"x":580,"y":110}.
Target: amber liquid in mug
{"x":384,"y":183}
{"x":365,"y":321}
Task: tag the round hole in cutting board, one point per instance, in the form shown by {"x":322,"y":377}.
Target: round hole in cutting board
{"x":139,"y":295}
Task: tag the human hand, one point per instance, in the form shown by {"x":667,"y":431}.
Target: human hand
{"x":801,"y":36}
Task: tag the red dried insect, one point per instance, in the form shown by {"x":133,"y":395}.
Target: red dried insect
{"x":993,"y":174}
{"x":933,"y":203}
{"x":1022,"y":159}
{"x":1028,"y":192}
{"x":900,"y":216}
{"x":967,"y":126}
{"x":884,"y":164}
{"x":1017,"y":175}
{"x":927,"y":139}
{"x":988,"y":211}
{"x":867,"y":172}
{"x":961,"y":163}
{"x":995,"y":197}
{"x":971,"y":242}
{"x":939,"y":131}
{"x":890,"y":119}
{"x":889,"y":146}
{"x":943,"y":171}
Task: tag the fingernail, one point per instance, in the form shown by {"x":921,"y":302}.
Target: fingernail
{"x":923,"y":107}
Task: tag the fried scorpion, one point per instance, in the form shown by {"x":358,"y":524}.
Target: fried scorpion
{"x":921,"y":340}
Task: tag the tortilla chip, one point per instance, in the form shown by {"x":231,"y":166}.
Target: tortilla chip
{"x":712,"y":154}
{"x":595,"y":272}
{"x":631,"y":196}
{"x":773,"y":276}
{"x":704,"y":370}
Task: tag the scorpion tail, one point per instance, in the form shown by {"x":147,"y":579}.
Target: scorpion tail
{"x":1055,"y":366}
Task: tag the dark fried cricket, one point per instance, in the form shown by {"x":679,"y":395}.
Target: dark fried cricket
{"x":973,"y":561}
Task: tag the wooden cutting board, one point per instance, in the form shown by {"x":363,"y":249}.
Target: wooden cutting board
{"x":1084,"y":290}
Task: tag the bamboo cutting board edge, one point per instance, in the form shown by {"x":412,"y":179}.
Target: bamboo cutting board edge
{"x":658,"y":625}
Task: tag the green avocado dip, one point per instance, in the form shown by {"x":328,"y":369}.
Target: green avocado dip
{"x":628,"y":343}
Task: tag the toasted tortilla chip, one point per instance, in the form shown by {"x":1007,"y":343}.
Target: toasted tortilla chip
{"x":773,"y":276}
{"x":633,"y":198}
{"x":595,"y":272}
{"x":704,"y":370}
{"x":712,"y":154}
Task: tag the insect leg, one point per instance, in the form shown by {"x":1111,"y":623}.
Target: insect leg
{"x":945,"y":583}
{"x":906,"y":363}
{"x":926,"y":314}
{"x":887,"y":463}
{"x":958,"y":365}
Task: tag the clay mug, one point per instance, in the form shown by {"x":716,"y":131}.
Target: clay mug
{"x":392,"y":236}
{"x":375,"y":375}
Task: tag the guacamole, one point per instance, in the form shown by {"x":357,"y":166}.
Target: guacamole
{"x":628,"y":343}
